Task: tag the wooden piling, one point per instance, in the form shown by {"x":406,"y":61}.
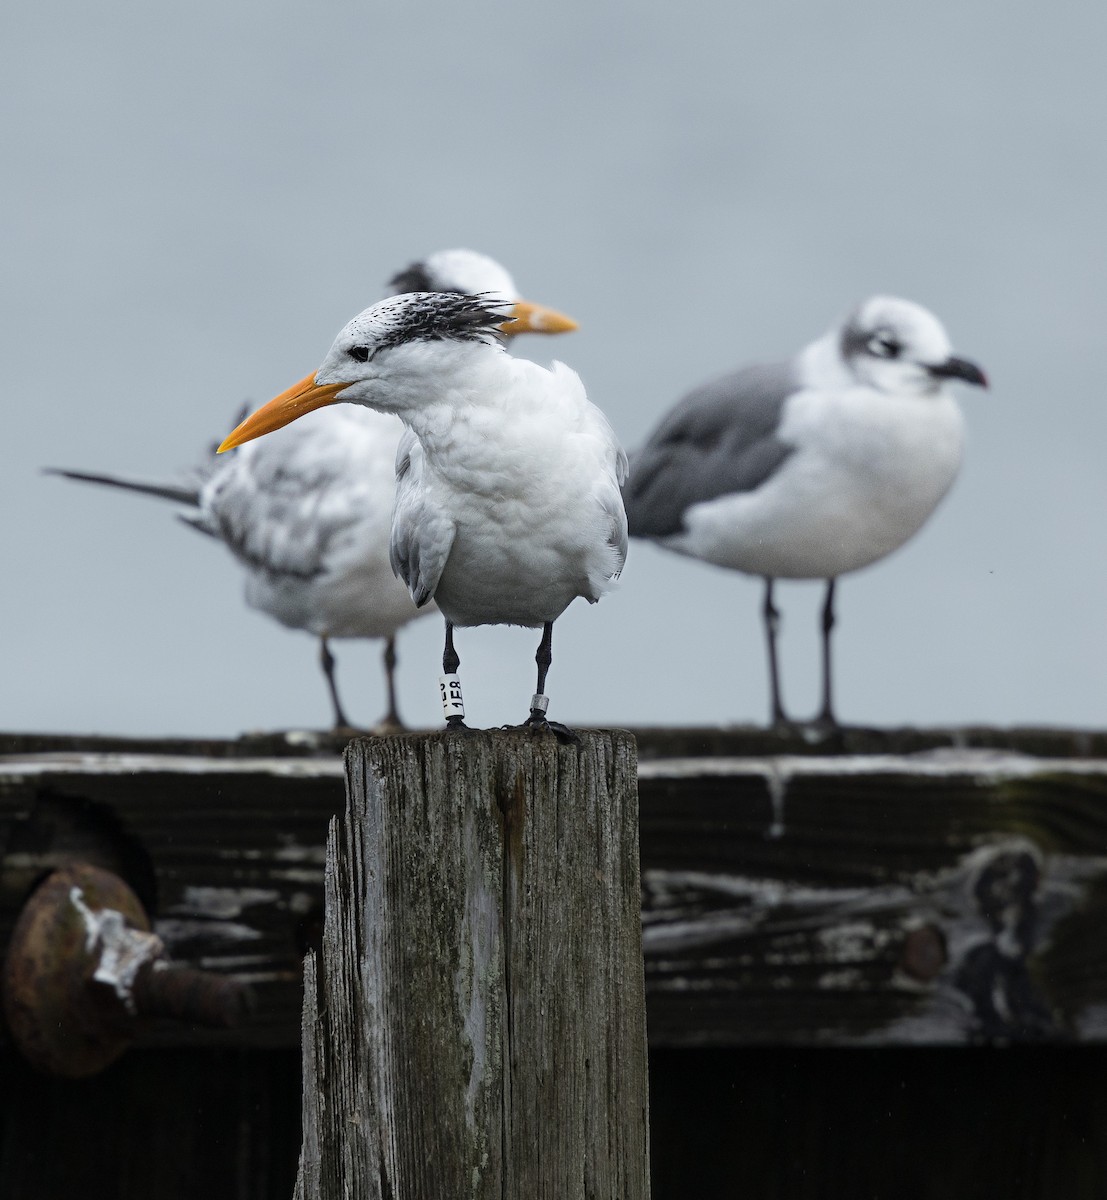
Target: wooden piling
{"x":475,"y":1027}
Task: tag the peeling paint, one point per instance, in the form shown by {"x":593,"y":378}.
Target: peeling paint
{"x":221,"y":902}
{"x":176,"y":929}
{"x":233,"y":962}
{"x":124,"y":951}
{"x":293,"y":852}
{"x":177,"y":764}
{"x":776,"y":795}
{"x":943,"y":762}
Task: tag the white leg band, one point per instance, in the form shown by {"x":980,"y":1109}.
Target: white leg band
{"x":452,"y":703}
{"x":539,"y":703}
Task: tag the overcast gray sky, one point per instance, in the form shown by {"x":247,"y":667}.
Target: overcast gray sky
{"x":197,"y":197}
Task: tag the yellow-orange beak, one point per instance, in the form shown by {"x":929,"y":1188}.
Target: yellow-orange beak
{"x":302,"y":397}
{"x":536,"y":318}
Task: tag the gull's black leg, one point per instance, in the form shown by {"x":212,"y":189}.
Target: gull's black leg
{"x":392,"y":717}
{"x":771,"y":614}
{"x":326,"y":661}
{"x":826,"y":716}
{"x":540,"y":701}
{"x":451,"y":690}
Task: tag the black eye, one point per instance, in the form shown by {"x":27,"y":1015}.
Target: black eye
{"x":361,"y":353}
{"x":884,"y":345}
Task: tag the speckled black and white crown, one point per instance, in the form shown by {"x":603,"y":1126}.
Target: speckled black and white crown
{"x":425,"y":317}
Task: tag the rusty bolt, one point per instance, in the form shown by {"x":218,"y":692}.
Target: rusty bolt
{"x":83,"y":968}
{"x":924,"y":952}
{"x":185,"y":994}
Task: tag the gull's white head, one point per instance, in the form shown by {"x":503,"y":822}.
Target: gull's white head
{"x":897,"y":346}
{"x":476,"y":274}
{"x":386,"y":355}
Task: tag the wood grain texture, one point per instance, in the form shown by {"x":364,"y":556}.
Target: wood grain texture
{"x":948,"y":898}
{"x":475,"y":1025}
{"x":806,"y":895}
{"x":226,"y":855}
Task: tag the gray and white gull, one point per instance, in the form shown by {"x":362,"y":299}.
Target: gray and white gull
{"x":810,"y":468}
{"x":508,"y":503}
{"x":307,"y":513}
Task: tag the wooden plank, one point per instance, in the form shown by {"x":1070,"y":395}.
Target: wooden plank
{"x":477,"y":1024}
{"x":655,"y":742}
{"x":226,"y":855}
{"x":944,"y":898}
{"x":807,"y":898}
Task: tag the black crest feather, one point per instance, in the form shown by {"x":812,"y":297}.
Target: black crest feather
{"x":444,"y":316}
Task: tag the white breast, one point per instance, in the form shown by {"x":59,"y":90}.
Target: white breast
{"x":866,"y":472}
{"x":530,"y":482}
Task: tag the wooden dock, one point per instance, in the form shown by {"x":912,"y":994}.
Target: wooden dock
{"x":892,"y":889}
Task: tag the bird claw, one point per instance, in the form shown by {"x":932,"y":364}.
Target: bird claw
{"x":537,"y":723}
{"x":457,"y":725}
{"x":818,"y":730}
{"x":821,"y":730}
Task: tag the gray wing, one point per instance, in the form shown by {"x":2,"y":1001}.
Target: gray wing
{"x":422,"y":536}
{"x":720,"y":439}
{"x":268,"y":514}
{"x":284,"y":505}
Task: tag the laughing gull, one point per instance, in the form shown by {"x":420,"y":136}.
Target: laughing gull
{"x":810,"y":468}
{"x":507,"y":504}
{"x":308,"y":512}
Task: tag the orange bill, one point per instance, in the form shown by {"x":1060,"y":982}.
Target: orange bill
{"x":302,"y":397}
{"x":536,"y":318}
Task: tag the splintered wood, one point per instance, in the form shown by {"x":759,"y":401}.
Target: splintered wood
{"x":475,"y":1026}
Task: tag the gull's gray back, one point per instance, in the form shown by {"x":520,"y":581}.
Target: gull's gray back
{"x":720,"y":439}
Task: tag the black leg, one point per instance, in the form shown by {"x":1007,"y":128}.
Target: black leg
{"x":450,"y":660}
{"x":540,"y":701}
{"x":450,"y":664}
{"x":771,"y":615}
{"x":392,"y":717}
{"x":826,"y":716}
{"x":326,"y":661}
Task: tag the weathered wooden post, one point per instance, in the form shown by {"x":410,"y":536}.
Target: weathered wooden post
{"x":476,"y":1025}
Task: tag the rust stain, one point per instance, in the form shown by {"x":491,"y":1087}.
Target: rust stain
{"x":511,"y":802}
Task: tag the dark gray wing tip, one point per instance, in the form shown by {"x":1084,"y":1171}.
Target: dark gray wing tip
{"x":178,"y":493}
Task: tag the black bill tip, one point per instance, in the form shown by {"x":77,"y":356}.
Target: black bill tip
{"x":960,"y":368}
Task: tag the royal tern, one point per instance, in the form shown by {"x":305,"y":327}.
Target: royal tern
{"x":809,"y":468}
{"x":507,"y":502}
{"x":308,"y":512}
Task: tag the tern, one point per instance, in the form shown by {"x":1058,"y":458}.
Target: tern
{"x":508,"y":503}
{"x":308,"y":513}
{"x":810,"y":468}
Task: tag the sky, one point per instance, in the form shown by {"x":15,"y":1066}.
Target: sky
{"x":197,"y":197}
